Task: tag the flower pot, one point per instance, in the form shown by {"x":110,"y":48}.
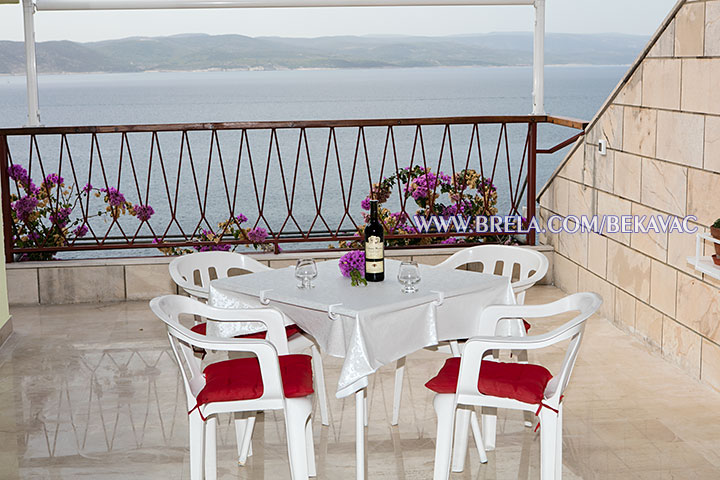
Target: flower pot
{"x":715,"y":232}
{"x":716,"y":259}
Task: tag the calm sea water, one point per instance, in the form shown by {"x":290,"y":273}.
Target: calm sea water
{"x":137,"y":98}
{"x":310,"y":94}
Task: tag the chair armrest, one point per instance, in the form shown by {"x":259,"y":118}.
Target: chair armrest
{"x":252,"y":345}
{"x":491,"y":315}
{"x":523,"y":285}
{"x":512,"y":343}
{"x":169,"y":308}
{"x":272,"y":319}
{"x":195,"y":291}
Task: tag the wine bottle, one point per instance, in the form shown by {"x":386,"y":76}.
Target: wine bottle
{"x":374,"y":247}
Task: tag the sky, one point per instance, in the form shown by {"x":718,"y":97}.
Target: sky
{"x":640,"y":17}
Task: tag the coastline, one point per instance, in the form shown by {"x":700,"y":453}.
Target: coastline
{"x":311,"y":69}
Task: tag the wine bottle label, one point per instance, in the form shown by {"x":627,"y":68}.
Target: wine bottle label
{"x":374,"y":254}
{"x":374,"y":267}
{"x":374,"y":248}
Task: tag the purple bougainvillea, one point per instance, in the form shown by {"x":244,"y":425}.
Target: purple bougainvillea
{"x":114,"y":197}
{"x":60,"y":217}
{"x":352,"y":265}
{"x":81,"y":231}
{"x":220,"y":247}
{"x":43,"y":217}
{"x":450,"y":241}
{"x":257,"y":235}
{"x":53,"y":179}
{"x":144,"y":212}
{"x":24,"y":207}
{"x":18,"y":173}
{"x":426,"y":184}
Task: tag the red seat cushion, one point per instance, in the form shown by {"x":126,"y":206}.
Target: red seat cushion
{"x":522,"y":381}
{"x":290,"y":331}
{"x":240,"y":379}
{"x":527,"y":325}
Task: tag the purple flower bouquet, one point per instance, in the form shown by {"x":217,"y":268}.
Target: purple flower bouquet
{"x":352,"y":265}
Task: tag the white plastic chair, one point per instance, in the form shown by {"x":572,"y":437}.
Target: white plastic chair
{"x":203,"y":419}
{"x":530,"y":267}
{"x":550,"y":406}
{"x":187,"y":270}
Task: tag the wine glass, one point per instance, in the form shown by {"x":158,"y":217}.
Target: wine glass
{"x":305,"y":271}
{"x":409,"y":276}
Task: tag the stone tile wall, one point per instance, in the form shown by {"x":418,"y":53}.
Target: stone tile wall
{"x":113,"y":280}
{"x":662,"y":128}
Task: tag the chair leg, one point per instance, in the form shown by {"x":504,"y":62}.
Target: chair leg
{"x":244,"y":443}
{"x":297,"y":413}
{"x":548,"y":444}
{"x":240,"y":426}
{"x":310,"y":446}
{"x":360,"y":437}
{"x":445,"y":410}
{"x":245,"y":447}
{"x":477,"y":434}
{"x":211,"y":448}
{"x":197,"y":445}
{"x":320,"y":391}
{"x":559,"y":444}
{"x":249,"y":446}
{"x":522,"y":357}
{"x":366,"y":409}
{"x":489,"y":427}
{"x":397,"y":396}
{"x":462,"y":423}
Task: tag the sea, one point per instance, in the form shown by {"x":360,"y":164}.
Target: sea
{"x":233,"y":96}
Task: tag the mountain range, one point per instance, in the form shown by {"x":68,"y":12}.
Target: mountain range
{"x":189,"y":52}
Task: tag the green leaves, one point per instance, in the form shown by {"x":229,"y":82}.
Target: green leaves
{"x":357,"y":279}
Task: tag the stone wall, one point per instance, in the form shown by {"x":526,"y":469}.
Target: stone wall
{"x":662,"y":128}
{"x":122,"y":279}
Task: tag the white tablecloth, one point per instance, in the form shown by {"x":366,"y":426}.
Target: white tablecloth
{"x":367,"y":326}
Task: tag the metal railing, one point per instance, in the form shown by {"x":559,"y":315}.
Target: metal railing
{"x":267,"y":184}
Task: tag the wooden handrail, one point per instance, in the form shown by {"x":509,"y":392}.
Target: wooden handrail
{"x":178,"y":127}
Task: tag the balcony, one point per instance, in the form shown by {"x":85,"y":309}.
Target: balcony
{"x":90,"y":388}
{"x":93,"y":390}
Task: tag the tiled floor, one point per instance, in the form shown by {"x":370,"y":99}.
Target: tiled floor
{"x":91,"y":391}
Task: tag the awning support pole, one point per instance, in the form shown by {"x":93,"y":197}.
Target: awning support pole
{"x":539,"y":59}
{"x":31,"y":64}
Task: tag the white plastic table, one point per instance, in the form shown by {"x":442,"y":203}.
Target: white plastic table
{"x":369,"y":326}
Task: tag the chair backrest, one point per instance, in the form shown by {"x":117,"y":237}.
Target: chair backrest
{"x":169,"y":309}
{"x":529,"y":265}
{"x":193,"y":272}
{"x":586,"y":304}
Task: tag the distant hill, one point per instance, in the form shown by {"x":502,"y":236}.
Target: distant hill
{"x":231,"y":52}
